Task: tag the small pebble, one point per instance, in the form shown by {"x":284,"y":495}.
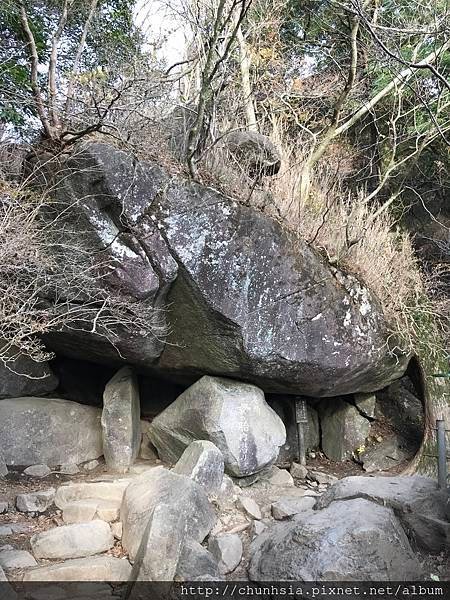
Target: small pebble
{"x":38,"y":471}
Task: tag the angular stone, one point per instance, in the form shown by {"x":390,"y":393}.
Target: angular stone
{"x":12,"y":528}
{"x":111,"y":491}
{"x":355,"y":540}
{"x":121,"y":420}
{"x":227,"y":550}
{"x":202,"y":462}
{"x":366,"y":403}
{"x":249,"y":506}
{"x":16,"y":559}
{"x":160,"y":486}
{"x":3,"y":507}
{"x":298,"y":471}
{"x":256,"y":528}
{"x":38,"y":471}
{"x":344,"y":429}
{"x":94,"y":568}
{"x":161,"y":544}
{"x":48,"y":431}
{"x":322,"y":478}
{"x":35,"y":501}
{"x":276,"y":476}
{"x":25,"y":377}
{"x":416,"y":501}
{"x":288,"y":507}
{"x":196,"y":563}
{"x":116,"y":529}
{"x":232,"y":415}
{"x":226,"y":496}
{"x":73,"y":541}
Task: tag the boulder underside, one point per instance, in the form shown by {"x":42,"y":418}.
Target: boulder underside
{"x":240,"y":297}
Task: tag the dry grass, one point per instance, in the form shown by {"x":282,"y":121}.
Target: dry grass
{"x":374,"y":248}
{"x":49,"y":281}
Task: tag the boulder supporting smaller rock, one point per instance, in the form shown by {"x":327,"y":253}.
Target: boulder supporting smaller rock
{"x":197,"y":563}
{"x":73,"y":541}
{"x":232,"y":415}
{"x":121,"y":421}
{"x":202,"y":462}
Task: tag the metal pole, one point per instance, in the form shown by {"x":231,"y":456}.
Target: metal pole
{"x":442,"y":454}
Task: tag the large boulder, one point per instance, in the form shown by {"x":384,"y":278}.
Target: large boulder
{"x":416,"y":501}
{"x":344,"y":429}
{"x":347,"y":541}
{"x":162,"y":487}
{"x":161,"y":544}
{"x":49,"y":430}
{"x":22,"y":376}
{"x":121,"y":420}
{"x":243,"y":297}
{"x":232,"y":415}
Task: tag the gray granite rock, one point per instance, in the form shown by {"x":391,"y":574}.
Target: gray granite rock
{"x":121,"y":420}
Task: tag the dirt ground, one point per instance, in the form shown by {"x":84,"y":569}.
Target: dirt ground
{"x":231,"y":519}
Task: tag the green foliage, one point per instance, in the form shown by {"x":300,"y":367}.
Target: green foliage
{"x":112,"y":40}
